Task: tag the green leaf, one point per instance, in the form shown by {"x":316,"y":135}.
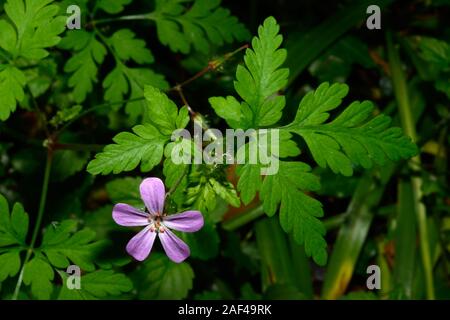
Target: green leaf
{"x":258,"y":82}
{"x":125,"y":190}
{"x":229,"y":109}
{"x":204,"y":20}
{"x":12,"y":81}
{"x":112,"y":6}
{"x":127,"y":47}
{"x":34,"y":27}
{"x":353,"y":137}
{"x":161,"y":279}
{"x":162,"y":112}
{"x":89,"y":53}
{"x":67,"y":163}
{"x":249,"y":182}
{"x":435,"y":51}
{"x":122,"y":81}
{"x":200,"y":248}
{"x":299,"y":212}
{"x":14,"y":226}
{"x":207,"y":185}
{"x":115,"y":85}
{"x":65,"y":115}
{"x":39,"y":274}
{"x":144,"y":146}
{"x":226,"y":191}
{"x":96,"y":285}
{"x":9,"y":265}
{"x":62,"y":243}
{"x":138,"y":78}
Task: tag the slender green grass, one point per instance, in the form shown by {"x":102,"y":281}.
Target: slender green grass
{"x":353,"y":233}
{"x":407,"y":121}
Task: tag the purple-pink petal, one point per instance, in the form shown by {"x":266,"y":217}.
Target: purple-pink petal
{"x":140,"y":245}
{"x":125,"y":215}
{"x":153,"y":194}
{"x":188,"y":221}
{"x":175,"y":248}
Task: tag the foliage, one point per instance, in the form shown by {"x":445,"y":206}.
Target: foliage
{"x":357,"y":126}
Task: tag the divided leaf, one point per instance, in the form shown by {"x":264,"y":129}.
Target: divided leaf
{"x":89,"y":53}
{"x":258,"y":82}
{"x":96,"y":285}
{"x":285,"y":191}
{"x":353,"y":137}
{"x":9,"y":264}
{"x":34,"y":27}
{"x":146,"y":144}
{"x":122,"y":81}
{"x":62,"y":243}
{"x":129,"y":48}
{"x":39,"y":274}
{"x":113,"y":6}
{"x":205,"y":20}
{"x":435,"y":51}
{"x":161,"y":279}
{"x":299,"y":212}
{"x":12,"y":81}
{"x":14,"y":226}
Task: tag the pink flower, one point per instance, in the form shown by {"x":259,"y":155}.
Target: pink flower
{"x":156,"y":223}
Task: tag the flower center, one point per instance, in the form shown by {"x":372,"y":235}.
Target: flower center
{"x":156,"y":224}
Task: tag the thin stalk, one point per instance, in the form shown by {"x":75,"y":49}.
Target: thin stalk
{"x":335,"y":221}
{"x":135,"y":17}
{"x":177,"y":183}
{"x":244,"y":218}
{"x":407,"y":121}
{"x":37,"y":226}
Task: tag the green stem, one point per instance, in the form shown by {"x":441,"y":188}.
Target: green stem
{"x":37,"y":226}
{"x":407,"y":120}
{"x":335,"y":221}
{"x":145,"y":16}
{"x":244,"y":218}
{"x":177,"y":183}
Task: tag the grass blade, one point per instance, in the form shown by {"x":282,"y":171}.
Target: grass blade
{"x":353,"y":234}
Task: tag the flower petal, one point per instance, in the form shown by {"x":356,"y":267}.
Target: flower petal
{"x":140,"y":245}
{"x":188,"y":221}
{"x":175,"y":248}
{"x":125,"y":215}
{"x":153,"y":194}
